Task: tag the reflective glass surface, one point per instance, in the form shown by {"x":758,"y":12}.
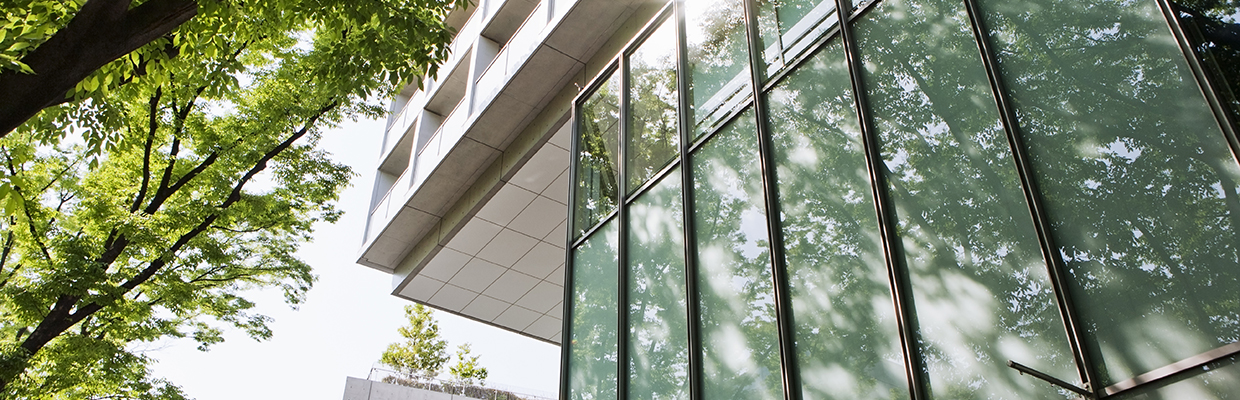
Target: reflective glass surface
{"x":592,"y":336}
{"x":718,"y":61}
{"x":740,"y":344}
{"x":789,"y":27}
{"x":598,"y":169}
{"x":980,"y":286}
{"x":658,"y":333}
{"x":652,"y":135}
{"x":1141,"y":189}
{"x":1212,"y":27}
{"x":847,"y":344}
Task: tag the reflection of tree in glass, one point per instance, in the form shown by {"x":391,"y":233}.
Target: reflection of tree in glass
{"x":846,"y":339}
{"x":658,"y":337}
{"x":597,"y":168}
{"x":652,"y":136}
{"x":739,"y":337}
{"x":592,"y":337}
{"x":776,"y":19}
{"x":980,"y":290}
{"x":718,"y":57}
{"x":1142,"y":192}
{"x":1213,"y":27}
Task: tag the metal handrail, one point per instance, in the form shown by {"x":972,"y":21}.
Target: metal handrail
{"x":435,"y":384}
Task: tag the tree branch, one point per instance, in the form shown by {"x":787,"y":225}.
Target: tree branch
{"x":262,"y":162}
{"x":4,"y":258}
{"x":146,"y":152}
{"x":100,"y":32}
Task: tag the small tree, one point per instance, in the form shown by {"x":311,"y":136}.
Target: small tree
{"x":423,"y":353}
{"x":467,"y":371}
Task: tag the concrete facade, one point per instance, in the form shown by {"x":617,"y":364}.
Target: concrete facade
{"x":468,"y":212}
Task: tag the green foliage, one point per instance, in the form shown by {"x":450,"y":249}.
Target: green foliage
{"x":467,"y":371}
{"x":26,"y":24}
{"x":185,"y":178}
{"x":423,"y":353}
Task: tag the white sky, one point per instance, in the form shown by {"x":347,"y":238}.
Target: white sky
{"x":348,"y":319}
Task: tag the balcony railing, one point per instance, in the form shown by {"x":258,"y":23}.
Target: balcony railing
{"x":493,"y":392}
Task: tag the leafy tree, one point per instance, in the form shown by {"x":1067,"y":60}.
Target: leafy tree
{"x":423,"y":353}
{"x":195,"y":180}
{"x":54,"y":51}
{"x":467,"y":371}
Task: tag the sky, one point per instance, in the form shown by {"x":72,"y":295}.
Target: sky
{"x":348,"y":319}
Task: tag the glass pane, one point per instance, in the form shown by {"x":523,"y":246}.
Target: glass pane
{"x":592,"y":348}
{"x":979,"y":282}
{"x":789,"y":27}
{"x":1212,"y":27}
{"x":718,"y":61}
{"x":1139,"y":184}
{"x":740,"y":344}
{"x":653,"y":138}
{"x":658,"y":341}
{"x":847,"y":343}
{"x":598,"y":150}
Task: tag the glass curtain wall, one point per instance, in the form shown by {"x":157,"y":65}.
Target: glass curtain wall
{"x":948,"y":199}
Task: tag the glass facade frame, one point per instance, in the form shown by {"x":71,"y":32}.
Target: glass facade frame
{"x":762,"y":80}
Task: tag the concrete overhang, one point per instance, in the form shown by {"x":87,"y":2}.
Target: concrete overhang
{"x":481,"y":232}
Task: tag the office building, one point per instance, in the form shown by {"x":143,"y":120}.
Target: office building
{"x":742,"y":199}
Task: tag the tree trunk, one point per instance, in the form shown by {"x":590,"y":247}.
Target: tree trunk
{"x":102,"y":31}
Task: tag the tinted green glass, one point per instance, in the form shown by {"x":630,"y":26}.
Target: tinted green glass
{"x":980,"y":288}
{"x":1210,"y":26}
{"x":847,"y":343}
{"x":1140,"y":186}
{"x":718,"y":61}
{"x":789,"y":27}
{"x":740,"y":344}
{"x":652,"y":137}
{"x":598,"y":171}
{"x":592,"y":336}
{"x":658,"y":332}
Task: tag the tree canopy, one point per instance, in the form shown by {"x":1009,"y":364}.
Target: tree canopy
{"x":179,"y":176}
{"x":421,"y":357}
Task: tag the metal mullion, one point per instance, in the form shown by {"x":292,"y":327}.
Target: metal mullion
{"x":654,"y":179}
{"x":1173,"y":370}
{"x":1221,"y":114}
{"x":779,"y":271}
{"x":686,"y":131}
{"x":725,"y":121}
{"x":882,"y":207}
{"x":1056,"y":268}
{"x":585,"y":235}
{"x":567,"y":323}
{"x":622,"y":270}
{"x":811,"y":50}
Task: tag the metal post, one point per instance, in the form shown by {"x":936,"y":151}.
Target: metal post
{"x":685,"y":111}
{"x":622,"y":270}
{"x":882,"y":207}
{"x":1055,"y":266}
{"x":1224,"y":118}
{"x":779,"y":271}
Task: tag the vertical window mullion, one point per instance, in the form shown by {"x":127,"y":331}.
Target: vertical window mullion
{"x":882,"y":207}
{"x":692,"y":302}
{"x":775,"y":240}
{"x":566,"y":328}
{"x":1225,"y":121}
{"x":1056,"y":268}
{"x":622,"y":274}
